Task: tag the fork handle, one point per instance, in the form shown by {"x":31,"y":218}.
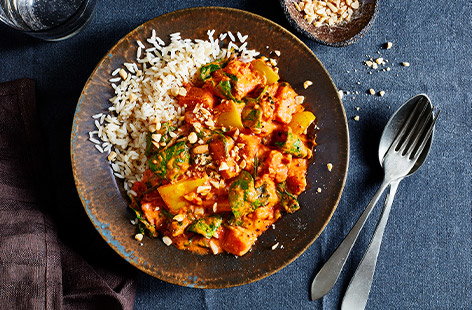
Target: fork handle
{"x":329,"y":273}
{"x":358,"y":290}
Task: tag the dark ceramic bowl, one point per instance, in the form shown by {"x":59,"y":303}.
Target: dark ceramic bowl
{"x":333,"y":35}
{"x":102,"y":196}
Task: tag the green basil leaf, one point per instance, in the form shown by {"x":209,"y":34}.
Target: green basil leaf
{"x":207,"y":70}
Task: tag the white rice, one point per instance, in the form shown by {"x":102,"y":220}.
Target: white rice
{"x":114,"y":80}
{"x":231,"y":36}
{"x":115,"y":72}
{"x":148,"y":95}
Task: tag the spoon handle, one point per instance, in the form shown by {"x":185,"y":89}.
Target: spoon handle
{"x":329,"y":273}
{"x":358,"y":290}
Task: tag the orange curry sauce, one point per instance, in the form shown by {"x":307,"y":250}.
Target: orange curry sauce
{"x":234,"y":166}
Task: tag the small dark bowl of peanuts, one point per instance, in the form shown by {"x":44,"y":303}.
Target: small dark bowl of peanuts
{"x":331,"y":22}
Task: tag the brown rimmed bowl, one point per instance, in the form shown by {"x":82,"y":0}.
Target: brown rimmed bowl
{"x":338,"y":35}
{"x":102,"y":194}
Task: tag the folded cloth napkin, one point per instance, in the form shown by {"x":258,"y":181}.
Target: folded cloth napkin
{"x":37,"y":271}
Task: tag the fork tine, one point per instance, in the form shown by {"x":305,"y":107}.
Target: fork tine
{"x":420,"y":121}
{"x":417,"y":120}
{"x":414,"y":144}
{"x":426,"y":138}
{"x":397,"y":140}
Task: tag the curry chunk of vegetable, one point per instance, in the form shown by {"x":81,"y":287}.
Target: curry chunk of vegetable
{"x":225,"y":89}
{"x":197,"y":95}
{"x":172,"y":162}
{"x":197,"y":244}
{"x":252,"y":117}
{"x":288,"y":201}
{"x":301,"y":121}
{"x":266,"y":192}
{"x":206,"y":226}
{"x":238,"y":240}
{"x":286,"y":104}
{"x":242,"y":194}
{"x":276,"y":166}
{"x":290,"y":143}
{"x":259,"y":220}
{"x":177,"y":228}
{"x":152,"y":218}
{"x":208,"y":69}
{"x":152,"y":213}
{"x":220,"y":147}
{"x":267,"y":105}
{"x":173,"y":194}
{"x":229,"y":114}
{"x":243,"y":78}
{"x":249,"y":150}
{"x":264,"y":69}
{"x":296,"y":180}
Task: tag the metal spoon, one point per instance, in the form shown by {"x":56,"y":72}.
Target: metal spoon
{"x":329,"y":273}
{"x":358,"y":290}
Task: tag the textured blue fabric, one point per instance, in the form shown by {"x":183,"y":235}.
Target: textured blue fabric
{"x":425,"y":260}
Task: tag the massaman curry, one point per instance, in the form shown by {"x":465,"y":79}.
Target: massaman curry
{"x":235,"y":164}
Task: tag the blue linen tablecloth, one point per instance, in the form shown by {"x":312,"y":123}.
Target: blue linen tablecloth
{"x":425,"y":260}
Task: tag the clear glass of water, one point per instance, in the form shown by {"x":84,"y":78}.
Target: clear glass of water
{"x":50,"y":20}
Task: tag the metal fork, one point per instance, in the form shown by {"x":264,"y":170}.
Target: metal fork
{"x":357,"y":293}
{"x":398,"y":161}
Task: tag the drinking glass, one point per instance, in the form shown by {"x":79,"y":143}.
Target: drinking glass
{"x":50,"y":20}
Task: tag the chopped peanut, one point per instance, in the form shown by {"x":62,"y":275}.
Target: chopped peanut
{"x":329,"y":166}
{"x":200,"y":149}
{"x":123,"y":74}
{"x":192,"y":137}
{"x":307,"y":84}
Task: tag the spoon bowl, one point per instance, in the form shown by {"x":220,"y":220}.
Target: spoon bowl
{"x":337,"y":35}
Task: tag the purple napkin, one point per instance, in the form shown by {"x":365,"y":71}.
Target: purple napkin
{"x":37,"y":271}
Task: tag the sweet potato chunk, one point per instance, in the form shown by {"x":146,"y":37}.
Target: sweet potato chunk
{"x":220,"y":148}
{"x":152,"y":214}
{"x":268,"y":109}
{"x":238,"y":240}
{"x":249,"y":151}
{"x":260,"y":220}
{"x":296,"y":181}
{"x":246,"y":80}
{"x":285,"y":103}
{"x":196,"y":95}
{"x":276,"y":165}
